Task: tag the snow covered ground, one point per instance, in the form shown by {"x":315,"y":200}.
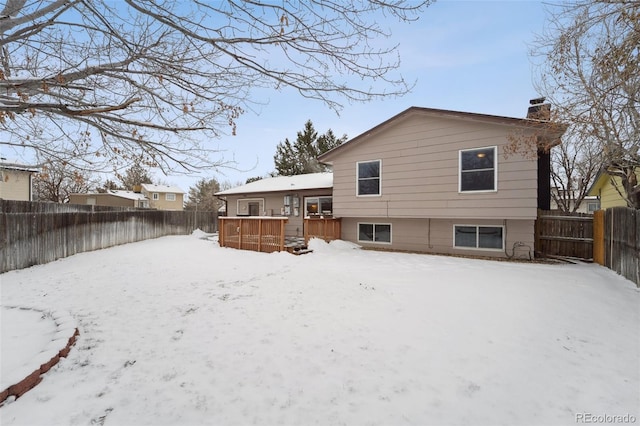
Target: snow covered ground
{"x":178,"y":331}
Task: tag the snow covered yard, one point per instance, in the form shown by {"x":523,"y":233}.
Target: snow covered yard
{"x":179,"y":331}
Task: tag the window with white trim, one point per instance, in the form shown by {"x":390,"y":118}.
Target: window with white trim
{"x":374,"y":233}
{"x":478,"y":237}
{"x":369,"y":177}
{"x":170,"y":196}
{"x":478,"y":169}
{"x":156,"y":196}
{"x":316,"y":206}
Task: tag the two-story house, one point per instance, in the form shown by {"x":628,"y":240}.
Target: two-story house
{"x":163,"y":197}
{"x":439,"y":181}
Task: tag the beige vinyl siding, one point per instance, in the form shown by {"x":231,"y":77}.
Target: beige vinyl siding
{"x":420,"y":172}
{"x":274,"y":202}
{"x":436,"y":235}
{"x":162,"y":204}
{"x":15,"y":185}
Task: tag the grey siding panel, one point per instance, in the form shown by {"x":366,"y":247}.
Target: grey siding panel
{"x":436,"y":235}
{"x":420,"y":167}
{"x":273,"y":205}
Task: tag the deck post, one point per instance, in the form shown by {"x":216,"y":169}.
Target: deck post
{"x":281,"y":235}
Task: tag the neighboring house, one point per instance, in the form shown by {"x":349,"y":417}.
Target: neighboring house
{"x":163,"y":197}
{"x":589,"y":204}
{"x":294,"y":197}
{"x":113,"y":198}
{"x":16,"y":181}
{"x":607,"y":189}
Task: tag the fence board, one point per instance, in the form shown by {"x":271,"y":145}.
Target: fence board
{"x":328,"y":229}
{"x":622,"y":242}
{"x":564,"y":234}
{"x":263,"y":234}
{"x":34,"y":233}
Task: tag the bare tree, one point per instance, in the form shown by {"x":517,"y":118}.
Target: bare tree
{"x":574,"y":165}
{"x":97,"y":82}
{"x":591,"y":73}
{"x":57,"y":180}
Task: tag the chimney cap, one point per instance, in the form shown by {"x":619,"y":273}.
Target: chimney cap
{"x":536,"y":101}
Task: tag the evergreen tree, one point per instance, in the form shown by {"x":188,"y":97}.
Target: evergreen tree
{"x":201,"y":196}
{"x":301,"y":156}
{"x":134,"y":175}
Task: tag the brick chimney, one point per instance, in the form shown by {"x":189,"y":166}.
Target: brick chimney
{"x":539,"y":110}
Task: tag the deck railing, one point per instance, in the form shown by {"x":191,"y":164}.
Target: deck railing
{"x":328,"y":229}
{"x":264,"y":234}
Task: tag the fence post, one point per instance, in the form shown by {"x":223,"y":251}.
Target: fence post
{"x":598,"y":237}
{"x":259,"y":235}
{"x":240,"y":234}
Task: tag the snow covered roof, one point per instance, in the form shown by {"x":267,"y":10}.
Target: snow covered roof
{"x":21,"y":167}
{"x":130,"y":195}
{"x":127,"y":194}
{"x":161,"y":188}
{"x":284,"y":183}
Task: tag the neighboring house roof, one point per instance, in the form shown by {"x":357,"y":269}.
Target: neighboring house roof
{"x":130,"y":195}
{"x":161,"y":188}
{"x":19,"y":167}
{"x":284,"y":183}
{"x":598,"y":182}
{"x":553,"y":131}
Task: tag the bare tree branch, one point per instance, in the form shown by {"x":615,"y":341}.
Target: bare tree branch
{"x":102,"y":84}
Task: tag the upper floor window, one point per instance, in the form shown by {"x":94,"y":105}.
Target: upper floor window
{"x":478,"y":170}
{"x":369,"y":177}
{"x":156,"y":196}
{"x":170,"y":196}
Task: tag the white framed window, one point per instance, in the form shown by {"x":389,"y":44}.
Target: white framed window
{"x":478,"y":170}
{"x":250,"y":207}
{"x":592,"y":206}
{"x":374,"y":233}
{"x":317,"y":206}
{"x":155,"y":196}
{"x":369,"y":178}
{"x":478,"y":237}
{"x":170,"y":196}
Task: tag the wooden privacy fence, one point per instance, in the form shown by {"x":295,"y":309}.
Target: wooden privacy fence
{"x":36,"y":233}
{"x":564,"y":234}
{"x":610,"y":237}
{"x":617,"y":246}
{"x":264,"y":234}
{"x":328,"y":229}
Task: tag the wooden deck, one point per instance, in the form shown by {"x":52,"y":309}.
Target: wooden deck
{"x":266,"y":234}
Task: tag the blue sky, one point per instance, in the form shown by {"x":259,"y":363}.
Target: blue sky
{"x":464,"y":55}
